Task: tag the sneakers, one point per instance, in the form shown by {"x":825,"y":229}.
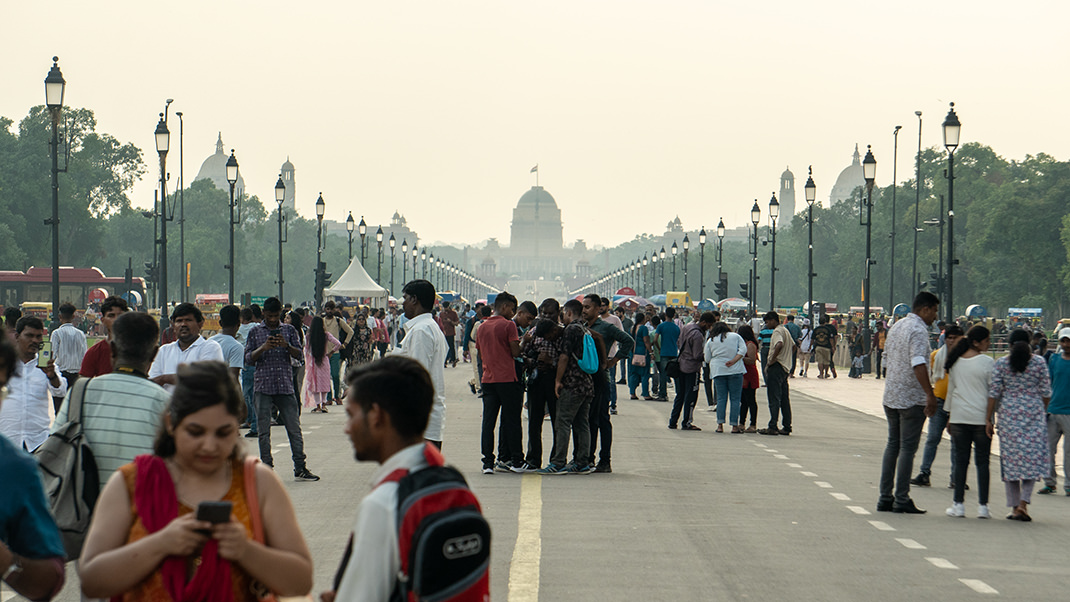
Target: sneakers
{"x":551,"y":469}
{"x":252,"y":435}
{"x":982,"y":511}
{"x":613,"y":411}
{"x":573,"y":468}
{"x":304,"y":475}
{"x":966,"y":487}
{"x":922,"y":480}
{"x":603,"y":467}
{"x":508,"y":467}
{"x":957,"y":510}
{"x":488,"y":470}
{"x":525,"y":467}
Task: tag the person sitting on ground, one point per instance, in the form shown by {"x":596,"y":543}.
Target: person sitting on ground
{"x":145,"y":541}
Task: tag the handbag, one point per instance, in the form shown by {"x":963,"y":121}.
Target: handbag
{"x":639,"y":359}
{"x":252,"y":499}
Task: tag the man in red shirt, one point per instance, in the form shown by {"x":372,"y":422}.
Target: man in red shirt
{"x":498,"y":343}
{"x":97,"y":360}
{"x":449,"y":320}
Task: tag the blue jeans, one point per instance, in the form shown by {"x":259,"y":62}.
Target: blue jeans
{"x":247,"y":376}
{"x":937,"y":424}
{"x":290,"y":417}
{"x":904,"y":433}
{"x":336,"y":369}
{"x":728,"y":388}
{"x":613,"y":386}
{"x":637,"y":375}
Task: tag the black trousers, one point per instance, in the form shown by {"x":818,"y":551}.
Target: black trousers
{"x":541,"y":398}
{"x":776,"y":380}
{"x":748,"y":404}
{"x":599,"y":417}
{"x":966,"y":436}
{"x":508,"y":399}
{"x":686,"y":394}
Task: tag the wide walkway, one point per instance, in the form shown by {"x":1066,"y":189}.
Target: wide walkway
{"x":701,"y":515}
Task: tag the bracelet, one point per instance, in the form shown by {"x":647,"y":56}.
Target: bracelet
{"x":13,"y":568}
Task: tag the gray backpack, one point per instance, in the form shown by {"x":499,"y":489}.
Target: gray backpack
{"x":69,"y":474}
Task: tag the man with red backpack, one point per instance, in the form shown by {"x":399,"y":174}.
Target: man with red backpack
{"x":420,"y":533}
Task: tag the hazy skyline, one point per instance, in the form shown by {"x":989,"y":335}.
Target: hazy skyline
{"x":634,"y":111}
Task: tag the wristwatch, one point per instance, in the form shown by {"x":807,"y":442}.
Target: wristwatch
{"x":13,"y":568}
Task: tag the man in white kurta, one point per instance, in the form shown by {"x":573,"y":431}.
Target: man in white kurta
{"x":425,"y":343}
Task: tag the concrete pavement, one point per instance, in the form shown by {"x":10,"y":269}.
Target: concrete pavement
{"x":701,"y":515}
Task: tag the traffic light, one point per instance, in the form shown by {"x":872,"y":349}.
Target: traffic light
{"x":743,"y":292}
{"x":325,"y":276}
{"x":151,"y":272}
{"x":721,"y":288}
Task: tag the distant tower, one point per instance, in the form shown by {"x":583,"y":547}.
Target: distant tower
{"x":786,"y":198}
{"x":289,"y":203}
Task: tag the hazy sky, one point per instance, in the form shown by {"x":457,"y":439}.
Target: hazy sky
{"x":634,"y":111}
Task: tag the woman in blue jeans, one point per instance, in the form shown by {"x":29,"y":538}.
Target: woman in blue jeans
{"x":723,"y":353}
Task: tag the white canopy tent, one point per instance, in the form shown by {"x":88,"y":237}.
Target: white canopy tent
{"x":356,"y":282}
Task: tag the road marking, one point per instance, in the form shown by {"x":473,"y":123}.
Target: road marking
{"x":527,"y":554}
{"x":881,"y":525}
{"x":772,"y":451}
{"x":910,"y":544}
{"x":283,"y":445}
{"x":318,"y":426}
{"x":941,"y":563}
{"x":843,"y":497}
{"x":6,"y":595}
{"x":807,"y":473}
{"x":823,"y":484}
{"x":760,"y":444}
{"x":781,"y":457}
{"x":794,"y":465}
{"x":858,"y":510}
{"x":979,"y":586}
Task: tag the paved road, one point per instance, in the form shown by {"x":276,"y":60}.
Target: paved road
{"x":701,"y":515}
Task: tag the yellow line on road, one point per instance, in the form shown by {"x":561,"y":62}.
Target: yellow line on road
{"x":527,"y":554}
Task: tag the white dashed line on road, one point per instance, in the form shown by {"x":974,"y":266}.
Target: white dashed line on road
{"x":794,"y":465}
{"x":759,"y":444}
{"x":823,"y":484}
{"x":941,"y":563}
{"x":858,"y":510}
{"x":772,"y":451}
{"x":843,"y":497}
{"x":781,"y":457}
{"x":881,"y":525}
{"x":807,"y":473}
{"x":910,"y":544}
{"x":318,"y":426}
{"x":979,"y":586}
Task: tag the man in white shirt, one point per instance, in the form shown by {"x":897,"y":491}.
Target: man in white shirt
{"x":387,"y":407}
{"x":24,"y":415}
{"x":189,"y":347}
{"x":425,"y":343}
{"x":68,"y":348}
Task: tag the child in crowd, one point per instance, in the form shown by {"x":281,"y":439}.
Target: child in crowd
{"x":856,"y":365}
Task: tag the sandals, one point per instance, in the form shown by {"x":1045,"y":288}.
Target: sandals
{"x":720,"y":428}
{"x":737,"y":429}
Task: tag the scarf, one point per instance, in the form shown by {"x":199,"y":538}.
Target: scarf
{"x":157,"y":504}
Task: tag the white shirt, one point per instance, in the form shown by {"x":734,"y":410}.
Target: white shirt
{"x":68,"y":347}
{"x":907,"y":346}
{"x":171,"y":355}
{"x":373,"y":566}
{"x":967,"y":389}
{"x":24,"y":414}
{"x":717,"y":352}
{"x":425,"y":343}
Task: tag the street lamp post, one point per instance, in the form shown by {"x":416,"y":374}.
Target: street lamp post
{"x":774,"y":213}
{"x":404,"y":259}
{"x":675,"y":250}
{"x":320,"y":210}
{"x":869,"y":172}
{"x":362,"y":229}
{"x":350,"y":225}
{"x":687,"y":245}
{"x":423,"y":265}
{"x":184,"y":284}
{"x":415,"y":255}
{"x":232,"y":178}
{"x":720,"y":252}
{"x":163,"y":140}
{"x":811,"y":195}
{"x":393,"y":242}
{"x":379,"y":270}
{"x":646,"y":276}
{"x":895,"y":184}
{"x":661,"y":258}
{"x":702,"y":264}
{"x":280,"y":196}
{"x":54,"y":87}
{"x":917,"y":209}
{"x":755,"y":217}
{"x":653,"y":272}
{"x":952,"y":128}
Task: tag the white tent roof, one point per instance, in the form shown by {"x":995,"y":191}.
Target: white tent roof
{"x":356,"y":282}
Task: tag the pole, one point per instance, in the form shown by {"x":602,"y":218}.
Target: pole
{"x":950,"y":307}
{"x":182,"y":211}
{"x":350,"y":245}
{"x":940,"y":254}
{"x":772,"y":272}
{"x":391,"y":270}
{"x":754,"y":274}
{"x":810,"y":265}
{"x":869,"y":262}
{"x":917,"y":207}
{"x":163,"y":242}
{"x":54,"y":222}
{"x":230,"y":268}
{"x":674,"y":272}
{"x":702,"y":271}
{"x":895,"y":184}
{"x":281,"y":297}
{"x":319,"y":259}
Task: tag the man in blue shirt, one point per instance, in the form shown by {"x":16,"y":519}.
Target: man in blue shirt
{"x":1059,"y":409}
{"x":31,"y":550}
{"x":668,"y":334}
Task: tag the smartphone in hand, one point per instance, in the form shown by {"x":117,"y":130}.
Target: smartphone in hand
{"x":44,"y":355}
{"x":213,"y":512}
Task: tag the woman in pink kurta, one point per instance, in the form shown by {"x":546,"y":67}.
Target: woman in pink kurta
{"x":319,"y":345}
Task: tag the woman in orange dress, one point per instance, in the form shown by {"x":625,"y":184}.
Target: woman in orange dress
{"x":145,"y":542}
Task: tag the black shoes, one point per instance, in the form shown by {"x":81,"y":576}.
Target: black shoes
{"x":908,"y":508}
{"x":603,"y":466}
{"x":884,"y":506}
{"x":691,"y":427}
{"x":304,"y":475}
{"x":768,"y":432}
{"x":922,"y":480}
{"x":252,"y":435}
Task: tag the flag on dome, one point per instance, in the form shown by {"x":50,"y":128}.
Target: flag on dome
{"x":535,"y":169}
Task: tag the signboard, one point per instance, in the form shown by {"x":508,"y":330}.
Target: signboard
{"x":1025,"y":312}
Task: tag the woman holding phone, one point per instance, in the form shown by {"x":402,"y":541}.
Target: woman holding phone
{"x":145,"y":541}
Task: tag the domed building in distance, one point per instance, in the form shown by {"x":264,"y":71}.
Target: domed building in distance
{"x":850,"y":179}
{"x":214,"y":168}
{"x":536,"y":241}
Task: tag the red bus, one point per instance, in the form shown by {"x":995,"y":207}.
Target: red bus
{"x":79,"y":286}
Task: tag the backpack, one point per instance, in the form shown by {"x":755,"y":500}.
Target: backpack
{"x":69,"y":474}
{"x":443,"y":538}
{"x":589,"y":363}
